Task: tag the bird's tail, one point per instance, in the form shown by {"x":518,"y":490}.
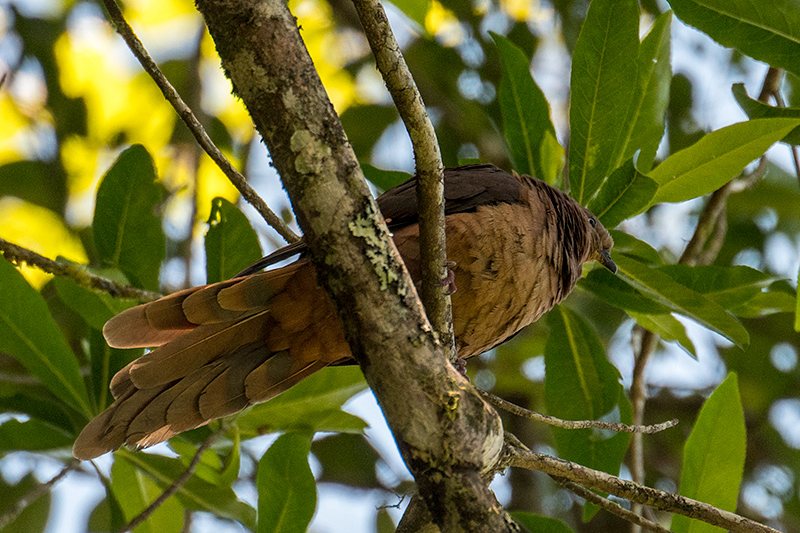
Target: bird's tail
{"x":220,"y":348}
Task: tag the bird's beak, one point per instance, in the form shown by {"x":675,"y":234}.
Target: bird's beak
{"x":605,"y":260}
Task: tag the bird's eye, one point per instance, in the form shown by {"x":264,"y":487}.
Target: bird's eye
{"x":592,"y":222}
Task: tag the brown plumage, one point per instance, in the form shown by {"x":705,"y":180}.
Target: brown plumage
{"x":518,"y":245}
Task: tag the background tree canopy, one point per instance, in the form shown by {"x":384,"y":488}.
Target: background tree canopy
{"x":663,"y":132}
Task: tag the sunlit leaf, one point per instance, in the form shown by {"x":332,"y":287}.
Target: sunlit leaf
{"x":525,"y":111}
{"x":767,"y":31}
{"x":127,"y":231}
{"x":29,"y":334}
{"x":231,"y":243}
{"x":287,"y":493}
{"x":625,"y":193}
{"x":717,"y":158}
{"x":713,"y":457}
{"x":580,"y":384}
{"x":603,"y":81}
{"x":681,"y":299}
{"x":413,"y":9}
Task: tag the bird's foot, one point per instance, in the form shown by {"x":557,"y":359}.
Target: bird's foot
{"x":449,"y":280}
{"x":461,"y":366}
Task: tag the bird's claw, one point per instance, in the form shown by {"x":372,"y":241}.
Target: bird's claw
{"x":461,"y":366}
{"x":449,"y":280}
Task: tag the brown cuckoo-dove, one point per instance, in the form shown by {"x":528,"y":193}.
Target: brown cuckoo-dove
{"x":518,"y":246}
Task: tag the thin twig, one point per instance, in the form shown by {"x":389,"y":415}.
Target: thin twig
{"x":608,"y":505}
{"x":17,"y":255}
{"x":188,"y":117}
{"x":430,"y":178}
{"x":574,"y":424}
{"x":174,"y":487}
{"x":34,"y":494}
{"x":635,"y":492}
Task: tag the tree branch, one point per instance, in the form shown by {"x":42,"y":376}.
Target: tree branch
{"x":447,"y":435}
{"x":635,"y":492}
{"x":611,"y":507}
{"x":574,"y":424}
{"x":188,"y":117}
{"x":17,"y":255}
{"x":430,"y":177}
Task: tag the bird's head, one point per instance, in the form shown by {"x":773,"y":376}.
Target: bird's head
{"x":600,"y":242}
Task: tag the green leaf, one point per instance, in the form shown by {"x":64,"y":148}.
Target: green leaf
{"x":757,"y":109}
{"x":767,"y":303}
{"x":197,"y":494}
{"x":668,"y":328}
{"x":35,"y":514}
{"x":580,"y":384}
{"x":127,"y":232}
{"x":347,"y":459}
{"x":32,"y":435}
{"x":525,"y":112}
{"x":728,"y":286}
{"x":713,"y":458}
{"x":681,"y":299}
{"x":797,"y":309}
{"x":630,"y":245}
{"x":314,"y":404}
{"x":106,"y":361}
{"x":384,"y":179}
{"x":30,"y":335}
{"x":717,"y":158}
{"x":652,"y":95}
{"x":134,"y":491}
{"x":766,"y":31}
{"x":95,"y":307}
{"x":287,"y":493}
{"x":604,"y":78}
{"x":231,"y":243}
{"x":413,"y":9}
{"x":614,"y":291}
{"x":625,"y":193}
{"x":539,"y":524}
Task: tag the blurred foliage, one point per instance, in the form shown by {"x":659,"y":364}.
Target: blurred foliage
{"x":88,"y":136}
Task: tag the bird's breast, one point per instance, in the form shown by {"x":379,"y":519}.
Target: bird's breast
{"x":505,"y":272}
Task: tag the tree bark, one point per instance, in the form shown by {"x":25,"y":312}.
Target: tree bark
{"x":447,"y":435}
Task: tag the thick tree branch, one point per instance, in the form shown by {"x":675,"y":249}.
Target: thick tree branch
{"x":197,"y":129}
{"x":446,"y":433}
{"x":18,"y":255}
{"x":635,"y":492}
{"x":430,"y":176}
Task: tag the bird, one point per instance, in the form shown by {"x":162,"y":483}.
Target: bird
{"x":515,"y":248}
